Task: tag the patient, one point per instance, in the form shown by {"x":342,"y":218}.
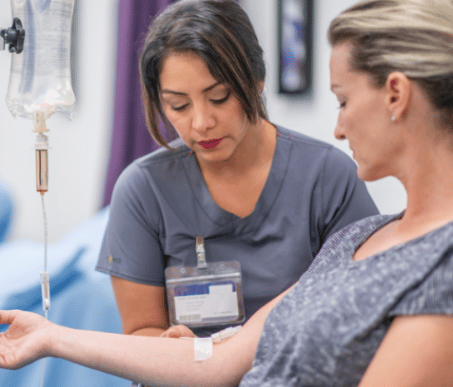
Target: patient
{"x":375,"y":308}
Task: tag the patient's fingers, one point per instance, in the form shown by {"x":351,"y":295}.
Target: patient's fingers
{"x":22,"y":323}
{"x":8,"y":316}
{"x":26,"y":340}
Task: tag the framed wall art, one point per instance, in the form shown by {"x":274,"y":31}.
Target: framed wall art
{"x":295,"y":31}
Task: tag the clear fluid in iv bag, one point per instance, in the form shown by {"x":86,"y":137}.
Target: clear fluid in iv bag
{"x":40,"y":78}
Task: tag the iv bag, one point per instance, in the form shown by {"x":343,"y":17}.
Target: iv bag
{"x":40,"y":78}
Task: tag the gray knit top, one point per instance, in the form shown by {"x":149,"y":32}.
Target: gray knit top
{"x":327,"y":329}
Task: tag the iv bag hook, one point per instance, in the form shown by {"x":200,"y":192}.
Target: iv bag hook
{"x":13,"y":36}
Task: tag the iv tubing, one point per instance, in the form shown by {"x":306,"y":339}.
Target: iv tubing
{"x":45,"y":231}
{"x":45,"y":277}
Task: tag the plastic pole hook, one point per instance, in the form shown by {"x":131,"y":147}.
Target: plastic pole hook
{"x":14,"y":36}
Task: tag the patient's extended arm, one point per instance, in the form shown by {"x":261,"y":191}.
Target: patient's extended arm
{"x":149,"y":360}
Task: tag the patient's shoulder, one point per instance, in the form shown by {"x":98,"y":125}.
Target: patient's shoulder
{"x":433,"y":295}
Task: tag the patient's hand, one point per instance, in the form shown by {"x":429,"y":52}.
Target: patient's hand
{"x":26,"y":340}
{"x":178,"y":331}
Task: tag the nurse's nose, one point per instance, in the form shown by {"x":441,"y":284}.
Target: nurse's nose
{"x":203,"y":118}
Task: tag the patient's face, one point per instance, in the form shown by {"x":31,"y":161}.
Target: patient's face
{"x":205,"y":113}
{"x":363,"y":119}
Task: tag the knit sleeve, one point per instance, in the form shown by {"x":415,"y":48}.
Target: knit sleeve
{"x":433,"y":295}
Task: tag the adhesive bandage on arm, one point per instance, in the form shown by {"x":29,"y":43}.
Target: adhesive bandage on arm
{"x":203,"y":346}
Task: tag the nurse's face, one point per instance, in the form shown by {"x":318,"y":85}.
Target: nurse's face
{"x":206,"y":114}
{"x":364,"y":119}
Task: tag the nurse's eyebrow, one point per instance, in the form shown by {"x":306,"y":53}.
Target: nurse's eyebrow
{"x":179,"y":93}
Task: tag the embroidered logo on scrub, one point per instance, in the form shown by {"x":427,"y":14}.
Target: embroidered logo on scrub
{"x":116,"y":260}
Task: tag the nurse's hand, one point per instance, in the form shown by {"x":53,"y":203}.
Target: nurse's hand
{"x":177,"y":331}
{"x":26,"y":340}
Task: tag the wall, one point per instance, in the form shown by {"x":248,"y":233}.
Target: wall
{"x":80,"y":148}
{"x":79,"y":154}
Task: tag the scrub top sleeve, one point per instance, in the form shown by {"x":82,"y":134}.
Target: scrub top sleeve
{"x":345,"y":198}
{"x":131,"y":248}
{"x":434,"y":295}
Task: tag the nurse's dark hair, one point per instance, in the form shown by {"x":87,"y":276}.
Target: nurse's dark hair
{"x":414,"y":37}
{"x":220,"y":32}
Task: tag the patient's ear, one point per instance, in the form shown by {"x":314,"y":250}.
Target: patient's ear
{"x":398,"y":94}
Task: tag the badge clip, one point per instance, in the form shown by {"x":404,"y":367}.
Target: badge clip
{"x":201,"y":253}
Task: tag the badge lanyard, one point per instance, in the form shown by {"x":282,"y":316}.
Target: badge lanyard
{"x":207,"y":294}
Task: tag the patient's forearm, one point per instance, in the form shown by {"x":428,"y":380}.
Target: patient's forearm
{"x":162,"y":361}
{"x":152,"y":360}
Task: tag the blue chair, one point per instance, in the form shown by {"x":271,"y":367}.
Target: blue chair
{"x":6,"y":211}
{"x":80,"y":298}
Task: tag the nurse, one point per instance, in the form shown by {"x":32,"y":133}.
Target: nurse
{"x":251,"y":191}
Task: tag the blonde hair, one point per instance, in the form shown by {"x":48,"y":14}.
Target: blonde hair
{"x":414,"y":37}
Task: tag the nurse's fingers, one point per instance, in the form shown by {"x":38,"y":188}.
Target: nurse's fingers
{"x":178,"y":331}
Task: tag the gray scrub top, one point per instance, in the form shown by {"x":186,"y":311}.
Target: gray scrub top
{"x":161,"y":203}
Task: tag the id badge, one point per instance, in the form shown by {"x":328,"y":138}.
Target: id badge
{"x":205,"y":295}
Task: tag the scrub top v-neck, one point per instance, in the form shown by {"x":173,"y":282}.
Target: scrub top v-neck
{"x":225,"y":220}
{"x":161,"y":203}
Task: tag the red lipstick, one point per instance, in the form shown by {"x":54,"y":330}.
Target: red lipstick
{"x":210,"y":143}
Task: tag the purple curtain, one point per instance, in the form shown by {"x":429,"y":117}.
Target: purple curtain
{"x":131,"y":138}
